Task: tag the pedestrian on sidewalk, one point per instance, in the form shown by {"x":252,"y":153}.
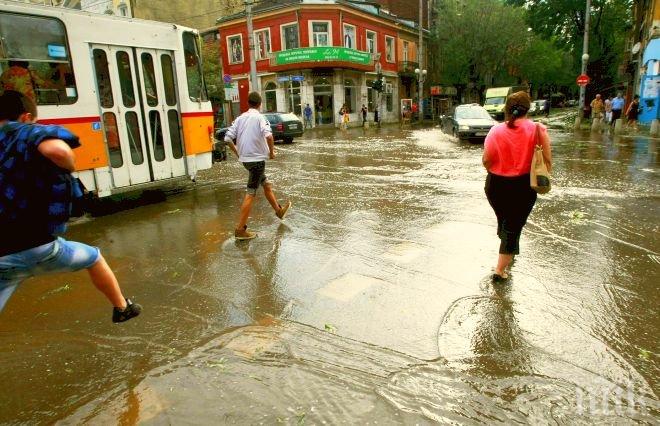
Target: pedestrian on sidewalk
{"x":508,"y":151}
{"x":546,"y":108}
{"x":254,"y":145}
{"x":608,"y":110}
{"x":364,"y":115}
{"x":308,"y":117}
{"x":617,"y":107}
{"x":37,"y":193}
{"x":633,"y":113}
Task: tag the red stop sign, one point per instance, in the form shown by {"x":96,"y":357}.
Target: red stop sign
{"x":583,"y":80}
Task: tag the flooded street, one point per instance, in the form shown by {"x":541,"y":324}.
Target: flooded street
{"x":370,"y":303}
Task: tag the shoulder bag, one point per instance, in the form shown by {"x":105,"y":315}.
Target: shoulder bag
{"x":539,"y":177}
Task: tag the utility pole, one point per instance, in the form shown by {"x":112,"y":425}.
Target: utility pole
{"x":420,"y":53}
{"x":253,"y":59}
{"x":585,"y":60}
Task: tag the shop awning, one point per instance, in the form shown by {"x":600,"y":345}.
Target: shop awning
{"x":652,"y":51}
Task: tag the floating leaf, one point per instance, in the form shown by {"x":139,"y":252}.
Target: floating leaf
{"x":644,"y":354}
{"x":331,"y":328}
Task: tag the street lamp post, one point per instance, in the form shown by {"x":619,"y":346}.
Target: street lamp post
{"x":420,"y":52}
{"x":585,"y":60}
{"x":421,"y":78}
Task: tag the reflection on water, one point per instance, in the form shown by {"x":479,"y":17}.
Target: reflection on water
{"x":370,"y":302}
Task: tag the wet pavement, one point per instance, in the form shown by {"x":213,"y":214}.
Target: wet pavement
{"x":369,"y":304}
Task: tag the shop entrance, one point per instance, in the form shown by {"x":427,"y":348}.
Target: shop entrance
{"x":323,"y":106}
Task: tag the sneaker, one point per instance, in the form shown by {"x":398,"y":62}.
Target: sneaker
{"x":131,"y":310}
{"x":244,"y":234}
{"x":497,"y":278}
{"x":283,"y":209}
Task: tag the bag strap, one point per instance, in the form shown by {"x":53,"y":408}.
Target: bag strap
{"x":537,"y":136}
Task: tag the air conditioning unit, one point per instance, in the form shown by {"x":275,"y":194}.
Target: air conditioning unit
{"x":389,"y":88}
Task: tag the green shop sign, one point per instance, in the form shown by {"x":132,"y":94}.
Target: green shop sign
{"x":318,"y":54}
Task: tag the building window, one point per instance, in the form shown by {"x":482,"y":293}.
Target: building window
{"x":290,"y":36}
{"x":262,"y":43}
{"x":350,"y":95}
{"x":389,"y":49}
{"x":389,"y":96}
{"x":371,"y":42}
{"x":349,"y":36}
{"x":320,"y":33}
{"x":406,"y":48}
{"x":271,"y":97}
{"x":235,"y":49}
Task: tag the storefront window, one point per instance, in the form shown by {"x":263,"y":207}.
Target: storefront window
{"x":271,"y":97}
{"x":350,"y":95}
{"x":293,"y":97}
{"x":371,"y":96}
{"x":323,"y":102}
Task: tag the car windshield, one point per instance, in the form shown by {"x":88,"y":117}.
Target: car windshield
{"x":473,"y":112}
{"x":272,"y":118}
{"x":494,"y":101}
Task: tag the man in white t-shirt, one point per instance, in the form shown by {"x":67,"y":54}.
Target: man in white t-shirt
{"x":254,"y":145}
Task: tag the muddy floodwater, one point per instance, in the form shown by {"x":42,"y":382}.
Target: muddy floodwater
{"x":371,"y":303}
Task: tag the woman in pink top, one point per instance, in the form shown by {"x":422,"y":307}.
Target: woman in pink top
{"x":508,"y":151}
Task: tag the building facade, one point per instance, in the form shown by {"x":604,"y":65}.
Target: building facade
{"x":325,"y":55}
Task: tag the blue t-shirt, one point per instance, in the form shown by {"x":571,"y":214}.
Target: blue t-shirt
{"x":308,"y":112}
{"x":36,"y":195}
{"x":617,"y":103}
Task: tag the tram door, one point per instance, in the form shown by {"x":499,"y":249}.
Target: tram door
{"x":117,"y":88}
{"x":139,"y":109}
{"x":163,"y":122}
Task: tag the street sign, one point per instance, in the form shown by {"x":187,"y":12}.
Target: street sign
{"x":226,"y":78}
{"x":582,"y":80}
{"x":283,"y":79}
{"x":297,"y":78}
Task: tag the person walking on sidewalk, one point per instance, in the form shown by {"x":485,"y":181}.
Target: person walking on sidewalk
{"x":617,"y":108}
{"x":364,"y":114}
{"x":307,"y":112}
{"x":36,"y":196}
{"x":508,"y":151}
{"x":632,"y":114}
{"x":254,"y":145}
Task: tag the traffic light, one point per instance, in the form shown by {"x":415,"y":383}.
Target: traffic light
{"x":377,"y":84}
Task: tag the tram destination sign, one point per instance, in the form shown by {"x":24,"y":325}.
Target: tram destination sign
{"x":322,"y":54}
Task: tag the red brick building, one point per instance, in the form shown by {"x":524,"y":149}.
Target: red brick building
{"x":325,"y":54}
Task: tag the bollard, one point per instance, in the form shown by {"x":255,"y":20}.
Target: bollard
{"x":578,"y":123}
{"x":618,"y":126}
{"x":366,"y":124}
{"x":655,"y":127}
{"x":595,"y":125}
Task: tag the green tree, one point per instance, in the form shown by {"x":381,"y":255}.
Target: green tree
{"x":213,"y":72}
{"x":563,"y":21}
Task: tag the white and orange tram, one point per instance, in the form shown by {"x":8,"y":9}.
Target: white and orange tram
{"x":132,"y":90}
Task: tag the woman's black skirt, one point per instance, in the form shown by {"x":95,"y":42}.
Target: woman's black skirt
{"x":512,"y":199}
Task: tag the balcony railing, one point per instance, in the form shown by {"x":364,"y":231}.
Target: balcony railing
{"x":408,"y":67}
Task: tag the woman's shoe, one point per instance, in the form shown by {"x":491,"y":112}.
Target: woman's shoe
{"x":497,"y":278}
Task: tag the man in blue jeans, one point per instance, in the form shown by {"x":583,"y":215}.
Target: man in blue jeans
{"x":254,"y":145}
{"x":36,"y":196}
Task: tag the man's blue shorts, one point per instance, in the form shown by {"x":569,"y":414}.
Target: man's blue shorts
{"x":57,"y":256}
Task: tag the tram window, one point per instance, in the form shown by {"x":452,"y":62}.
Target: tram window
{"x":168,"y":79}
{"x":112,"y":139}
{"x":103,"y":78}
{"x":35,"y":59}
{"x":157,"y":135}
{"x":134,"y":140}
{"x":196,"y":87}
{"x":175,"y":133}
{"x":149,"y":76}
{"x":126,"y":79}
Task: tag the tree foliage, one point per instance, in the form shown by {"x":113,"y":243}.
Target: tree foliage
{"x":212,"y":71}
{"x":483,"y":43}
{"x":563,"y":22}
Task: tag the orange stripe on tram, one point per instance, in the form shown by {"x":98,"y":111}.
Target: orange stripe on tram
{"x":92,"y":152}
{"x":197,"y":132}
